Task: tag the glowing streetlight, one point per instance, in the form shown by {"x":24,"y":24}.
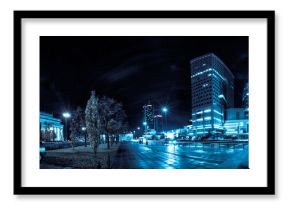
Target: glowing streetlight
{"x":84,"y":129}
{"x":145,"y":126}
{"x":66,"y":115}
{"x":165,"y":110}
{"x":138,"y":128}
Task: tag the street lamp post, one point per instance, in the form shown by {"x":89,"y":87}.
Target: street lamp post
{"x":165,"y":110}
{"x":66,"y":115}
{"x":85,"y":135}
{"x":145,"y":125}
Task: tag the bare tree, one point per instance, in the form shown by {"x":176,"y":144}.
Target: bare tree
{"x":118,"y":124}
{"x":77,"y":122}
{"x":104,"y":116}
{"x":112,"y":118}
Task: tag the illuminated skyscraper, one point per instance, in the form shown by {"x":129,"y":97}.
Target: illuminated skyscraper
{"x":212,"y":87}
{"x":148,"y":116}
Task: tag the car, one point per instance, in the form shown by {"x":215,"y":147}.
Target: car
{"x":169,"y":141}
{"x":42,"y":151}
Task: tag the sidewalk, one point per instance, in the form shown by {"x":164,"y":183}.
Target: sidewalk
{"x":88,"y":149}
{"x":80,"y":158}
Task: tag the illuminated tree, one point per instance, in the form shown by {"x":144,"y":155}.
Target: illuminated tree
{"x":92,"y":121}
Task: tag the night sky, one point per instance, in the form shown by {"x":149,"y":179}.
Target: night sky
{"x":132,"y":70}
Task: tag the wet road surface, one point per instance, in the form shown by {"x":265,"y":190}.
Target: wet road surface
{"x":132,"y":155}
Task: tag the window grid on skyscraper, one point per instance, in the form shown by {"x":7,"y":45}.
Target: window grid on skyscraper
{"x":210,"y":101}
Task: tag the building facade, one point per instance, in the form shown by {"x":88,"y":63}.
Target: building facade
{"x":51,"y":128}
{"x":212,"y":88}
{"x":245,"y":99}
{"x":235,"y":114}
{"x":237,"y":128}
{"x":236,"y":123}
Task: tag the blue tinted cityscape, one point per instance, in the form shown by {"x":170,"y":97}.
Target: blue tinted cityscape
{"x":193,"y":116}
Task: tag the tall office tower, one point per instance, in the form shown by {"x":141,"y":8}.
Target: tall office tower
{"x":148,"y":116}
{"x":246,"y":99}
{"x":212,"y":87}
{"x":158,"y":123}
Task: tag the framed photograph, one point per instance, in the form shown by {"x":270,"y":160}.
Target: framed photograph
{"x":144,"y":102}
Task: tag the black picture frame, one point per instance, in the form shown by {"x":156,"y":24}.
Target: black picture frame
{"x":269,"y":189}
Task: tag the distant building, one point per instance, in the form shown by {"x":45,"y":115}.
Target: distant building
{"x":126,"y":137}
{"x":236,"y":122}
{"x":212,"y":88}
{"x":51,"y":127}
{"x":158,"y":123}
{"x":238,"y":128}
{"x":148,"y":116}
{"x":235,"y":114}
{"x":245,"y":99}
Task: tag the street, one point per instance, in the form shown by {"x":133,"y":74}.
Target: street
{"x":132,"y":155}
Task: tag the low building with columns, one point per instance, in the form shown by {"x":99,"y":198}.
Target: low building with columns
{"x":51,"y":128}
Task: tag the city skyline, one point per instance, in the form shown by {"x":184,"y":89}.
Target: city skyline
{"x":132,"y":70}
